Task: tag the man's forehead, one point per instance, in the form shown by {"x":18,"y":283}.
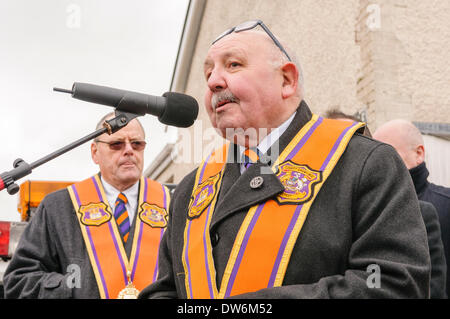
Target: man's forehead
{"x":223,"y":53}
{"x":236,"y":44}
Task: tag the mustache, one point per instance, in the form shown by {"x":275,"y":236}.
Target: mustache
{"x":222,"y":97}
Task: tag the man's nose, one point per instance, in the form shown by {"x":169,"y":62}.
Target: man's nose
{"x":216,"y":81}
{"x":128,"y":148}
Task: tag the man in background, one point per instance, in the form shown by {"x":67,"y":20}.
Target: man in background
{"x":336,"y":114}
{"x":98,"y":238}
{"x":406,"y":138}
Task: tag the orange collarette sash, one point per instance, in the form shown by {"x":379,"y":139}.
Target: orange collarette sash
{"x":263,"y":246}
{"x":113,"y":271}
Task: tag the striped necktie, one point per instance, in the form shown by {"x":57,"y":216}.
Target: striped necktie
{"x":250,"y":156}
{"x":121,"y":215}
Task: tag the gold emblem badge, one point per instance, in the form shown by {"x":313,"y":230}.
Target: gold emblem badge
{"x":298,"y":181}
{"x":202,"y":196}
{"x":153,"y":215}
{"x":94,"y":214}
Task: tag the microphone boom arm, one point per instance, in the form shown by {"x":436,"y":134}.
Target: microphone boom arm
{"x":22,"y":168}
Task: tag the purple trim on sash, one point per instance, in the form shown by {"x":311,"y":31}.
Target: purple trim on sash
{"x":304,"y":139}
{"x":186,"y":254}
{"x":88,"y":232}
{"x":164,"y":194}
{"x":186,"y":257}
{"x":116,"y":245}
{"x":76,"y":194}
{"x":237,"y":263}
{"x":203,"y":169}
{"x":138,"y":248}
{"x":335,"y":146}
{"x":205,"y":248}
{"x":155,"y":274}
{"x":283,"y":245}
{"x":105,"y":287}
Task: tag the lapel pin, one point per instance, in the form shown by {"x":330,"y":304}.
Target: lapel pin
{"x":256,"y":182}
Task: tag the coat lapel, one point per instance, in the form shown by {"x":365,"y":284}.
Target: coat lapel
{"x":240,"y":195}
{"x":236,"y":193}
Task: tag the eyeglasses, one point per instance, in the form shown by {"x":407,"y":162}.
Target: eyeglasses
{"x":251,"y":25}
{"x":119,"y":145}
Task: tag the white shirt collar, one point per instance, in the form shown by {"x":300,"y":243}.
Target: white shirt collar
{"x":131,"y":193}
{"x":273,"y":136}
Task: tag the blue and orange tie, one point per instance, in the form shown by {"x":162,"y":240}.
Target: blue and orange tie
{"x":121,"y":215}
{"x":250,"y":156}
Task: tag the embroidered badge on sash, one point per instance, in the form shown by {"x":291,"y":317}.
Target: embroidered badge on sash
{"x":94,"y":214}
{"x":202,"y":196}
{"x":153,"y":215}
{"x":298,"y":181}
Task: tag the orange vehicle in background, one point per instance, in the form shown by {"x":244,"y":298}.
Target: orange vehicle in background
{"x":32,"y":193}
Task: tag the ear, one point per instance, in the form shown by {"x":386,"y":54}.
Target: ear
{"x":420,"y":154}
{"x":94,"y":151}
{"x":290,"y":80}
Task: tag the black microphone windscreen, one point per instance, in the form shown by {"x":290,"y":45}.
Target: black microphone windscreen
{"x":181,"y":110}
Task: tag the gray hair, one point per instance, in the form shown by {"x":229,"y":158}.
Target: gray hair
{"x":279,"y":58}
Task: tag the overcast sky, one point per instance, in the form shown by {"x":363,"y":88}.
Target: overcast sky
{"x":129,"y":45}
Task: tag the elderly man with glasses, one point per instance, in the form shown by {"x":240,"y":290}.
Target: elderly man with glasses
{"x":98,"y":238}
{"x":292,"y":205}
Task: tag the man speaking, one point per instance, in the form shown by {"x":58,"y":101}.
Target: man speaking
{"x":304,"y":207}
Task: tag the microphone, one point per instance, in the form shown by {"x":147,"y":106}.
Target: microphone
{"x":172,"y":108}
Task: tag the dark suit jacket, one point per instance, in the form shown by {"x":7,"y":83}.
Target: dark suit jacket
{"x":439,"y":196}
{"x":366,"y":213}
{"x":438,"y":263}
